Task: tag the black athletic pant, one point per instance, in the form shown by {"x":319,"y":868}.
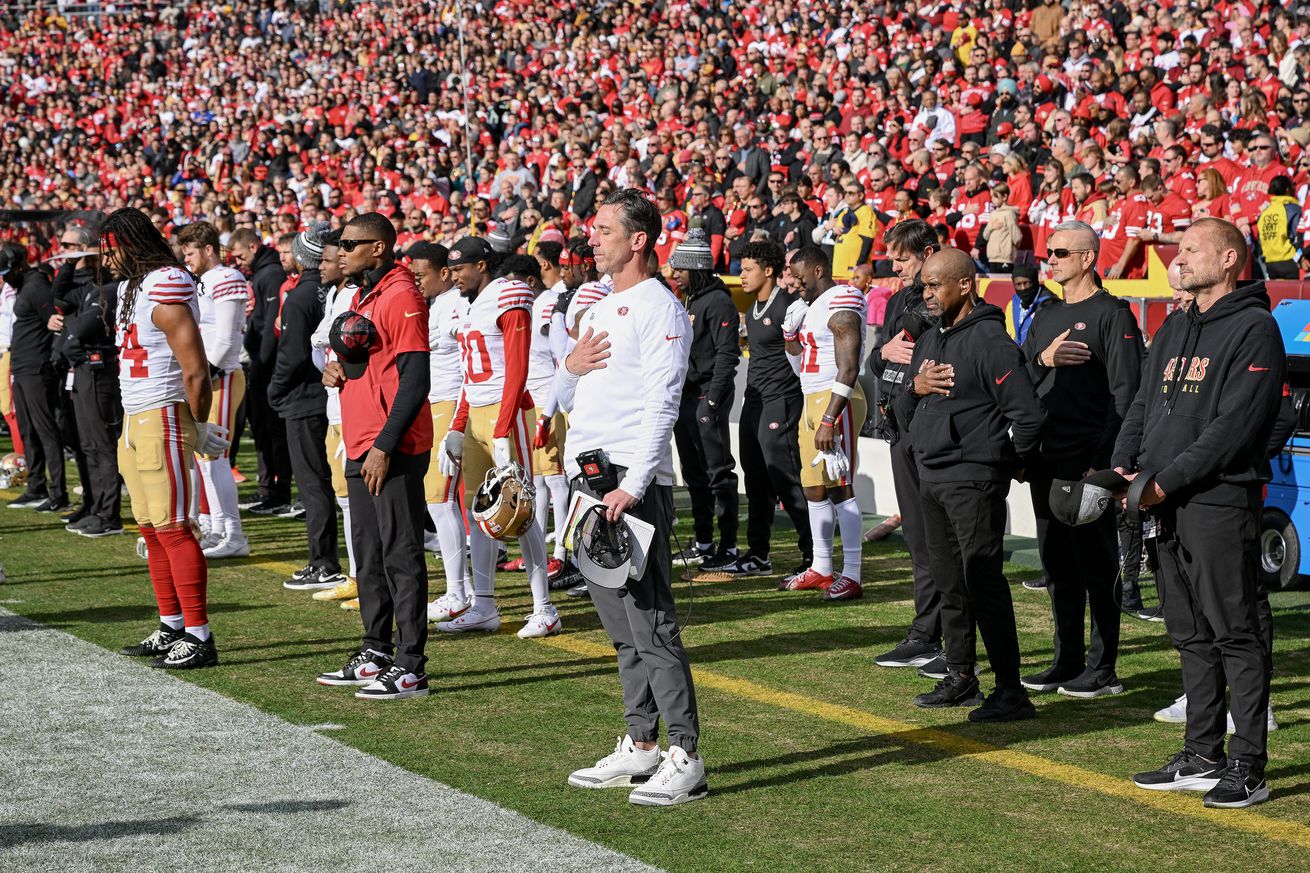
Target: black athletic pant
{"x":66,"y":421}
{"x":708,"y":469}
{"x":1209,"y":573}
{"x":270,"y":436}
{"x":1082,"y":565}
{"x":35,"y":399}
{"x":771,"y":466}
{"x":387,"y":531}
{"x":99,"y":412}
{"x":965,"y":524}
{"x":309,"y":462}
{"x":642,"y":621}
{"x":927,"y":624}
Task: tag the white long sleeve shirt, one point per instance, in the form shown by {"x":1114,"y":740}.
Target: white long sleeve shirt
{"x":628,"y":407}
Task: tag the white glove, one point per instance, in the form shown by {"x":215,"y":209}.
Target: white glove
{"x":835,"y":461}
{"x":452,"y":453}
{"x":791,"y":322}
{"x":211,"y":439}
{"x":500,"y":452}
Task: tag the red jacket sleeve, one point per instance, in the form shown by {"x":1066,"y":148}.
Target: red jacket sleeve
{"x":514,"y":324}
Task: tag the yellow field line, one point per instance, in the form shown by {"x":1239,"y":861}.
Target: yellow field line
{"x":1179,"y":803}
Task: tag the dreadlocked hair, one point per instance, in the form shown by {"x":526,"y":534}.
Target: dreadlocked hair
{"x":141,"y":249}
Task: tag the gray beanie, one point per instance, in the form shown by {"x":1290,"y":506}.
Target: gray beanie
{"x":307,"y":247}
{"x":694,"y":252}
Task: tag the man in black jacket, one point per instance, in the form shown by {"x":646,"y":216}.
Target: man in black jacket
{"x":297,"y":395}
{"x":909,"y":244}
{"x":1200,"y":429}
{"x":770,"y":415}
{"x":1085,"y":357}
{"x":973,"y":418}
{"x":702,"y":432}
{"x":263,"y":268}
{"x":35,"y":384}
{"x":90,"y":347}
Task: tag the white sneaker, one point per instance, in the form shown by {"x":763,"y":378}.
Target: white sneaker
{"x":209,"y":539}
{"x":431,"y":543}
{"x":1273,"y":725}
{"x":447,"y":607}
{"x":1174,"y":713}
{"x":627,"y":765}
{"x":472,"y":620}
{"x":142,"y":550}
{"x":680,"y":779}
{"x":541,"y":624}
{"x":229,"y":547}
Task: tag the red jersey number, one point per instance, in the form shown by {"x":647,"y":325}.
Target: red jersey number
{"x":809,"y":354}
{"x":135,"y":354}
{"x":471,"y":342}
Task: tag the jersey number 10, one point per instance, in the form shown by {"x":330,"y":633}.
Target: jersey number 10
{"x":468,"y":343}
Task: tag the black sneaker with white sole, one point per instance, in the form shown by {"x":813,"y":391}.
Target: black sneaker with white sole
{"x":50,"y":504}
{"x":749,"y":564}
{"x":1005,"y":704}
{"x":314,"y":579}
{"x":1241,"y":785}
{"x":694,"y":554}
{"x":362,"y":668}
{"x":1091,"y":684}
{"x":934,"y":669}
{"x":1185,"y":771}
{"x":96,"y":527}
{"x":27,"y":501}
{"x":579,"y":590}
{"x":956,"y":689}
{"x":158,"y":643}
{"x":1051,"y":678}
{"x":189,"y":653}
{"x":1035,"y":584}
{"x":909,"y":653}
{"x":720,"y":561}
{"x":395,"y":684}
{"x":270,"y":507}
{"x":76,"y":515}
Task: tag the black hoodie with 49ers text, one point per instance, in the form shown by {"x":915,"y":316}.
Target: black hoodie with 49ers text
{"x":1209,"y":398}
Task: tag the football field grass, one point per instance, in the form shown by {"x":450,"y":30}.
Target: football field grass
{"x":816,"y":758}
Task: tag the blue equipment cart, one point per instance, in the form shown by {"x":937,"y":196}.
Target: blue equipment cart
{"x":1285,"y":522}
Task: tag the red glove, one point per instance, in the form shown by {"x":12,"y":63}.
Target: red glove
{"x":543,"y":433}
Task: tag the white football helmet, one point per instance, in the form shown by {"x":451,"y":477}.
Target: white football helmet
{"x":13,"y":471}
{"x":503,"y":507}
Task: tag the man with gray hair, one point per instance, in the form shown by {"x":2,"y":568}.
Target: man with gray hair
{"x":1085,"y":357}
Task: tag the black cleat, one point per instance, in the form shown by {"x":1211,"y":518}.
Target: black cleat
{"x":1186,"y":771}
{"x":957,"y":689}
{"x":189,"y":653}
{"x":1005,"y":704}
{"x":1241,"y":785}
{"x":158,"y":643}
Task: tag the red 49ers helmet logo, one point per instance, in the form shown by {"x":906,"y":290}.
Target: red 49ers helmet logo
{"x":1080,"y":326}
{"x":623,"y":310}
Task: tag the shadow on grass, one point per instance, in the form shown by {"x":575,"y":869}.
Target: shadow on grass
{"x":122,"y":613}
{"x":12,"y":835}
{"x":289,"y":806}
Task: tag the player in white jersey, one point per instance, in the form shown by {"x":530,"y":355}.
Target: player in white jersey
{"x":446,"y":312}
{"x":8,"y":294}
{"x":491,"y":428}
{"x":337,"y":300}
{"x":548,"y":443}
{"x":826,"y":344}
{"x":222,"y":300}
{"x":164,"y":379}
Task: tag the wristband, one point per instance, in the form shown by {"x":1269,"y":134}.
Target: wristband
{"x":842,"y":390}
{"x":828,"y":420}
{"x":790,"y":337}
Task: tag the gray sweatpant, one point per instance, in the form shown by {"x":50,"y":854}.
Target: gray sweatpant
{"x":641,"y":619}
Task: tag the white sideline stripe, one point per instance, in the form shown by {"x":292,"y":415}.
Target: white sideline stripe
{"x":112,"y":766}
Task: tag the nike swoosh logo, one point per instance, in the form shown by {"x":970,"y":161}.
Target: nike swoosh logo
{"x":1130,"y":336}
{"x":271,"y":299}
{"x":672,"y":338}
{"x":143,"y":421}
{"x":368,"y":672}
{"x":410,"y":314}
{"x":1003,"y":378}
{"x":1254,"y":369}
{"x":408,"y":685}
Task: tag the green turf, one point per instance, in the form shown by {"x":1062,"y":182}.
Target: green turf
{"x":508,"y":719}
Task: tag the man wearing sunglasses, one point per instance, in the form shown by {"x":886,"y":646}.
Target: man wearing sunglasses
{"x":1085,"y":357}
{"x":1251,"y":188}
{"x":388,"y":441}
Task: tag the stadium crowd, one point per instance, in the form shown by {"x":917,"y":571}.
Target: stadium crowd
{"x":224,"y":213}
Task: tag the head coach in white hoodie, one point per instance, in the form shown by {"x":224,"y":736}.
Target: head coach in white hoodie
{"x":622,"y":384}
